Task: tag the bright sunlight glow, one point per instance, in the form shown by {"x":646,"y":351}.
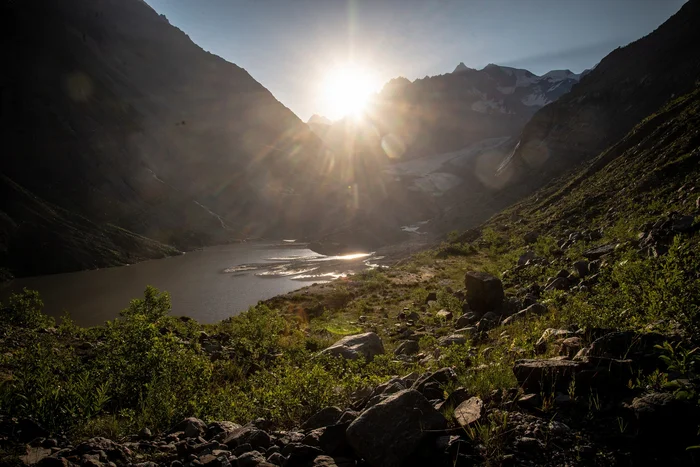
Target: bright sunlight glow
{"x":346,"y":90}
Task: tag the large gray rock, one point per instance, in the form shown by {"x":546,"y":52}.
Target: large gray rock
{"x":484,"y":291}
{"x":387,"y":434}
{"x":359,"y":345}
{"x":469,"y":411}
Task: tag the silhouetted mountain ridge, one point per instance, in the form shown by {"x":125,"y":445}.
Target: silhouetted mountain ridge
{"x":116,"y":117}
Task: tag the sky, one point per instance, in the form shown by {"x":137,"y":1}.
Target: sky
{"x":291,"y":46}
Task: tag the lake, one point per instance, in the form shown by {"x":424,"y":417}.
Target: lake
{"x":207,"y":285}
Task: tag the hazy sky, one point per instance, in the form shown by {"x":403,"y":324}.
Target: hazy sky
{"x":290,"y":45}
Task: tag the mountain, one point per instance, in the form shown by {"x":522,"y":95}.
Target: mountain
{"x":124,"y":140}
{"x":449,"y":112}
{"x":462,"y":67}
{"x":626,"y":86}
{"x":319,"y":124}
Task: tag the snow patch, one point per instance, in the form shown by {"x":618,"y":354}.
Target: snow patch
{"x":535,"y":99}
{"x":489,"y":106}
{"x":559,"y":75}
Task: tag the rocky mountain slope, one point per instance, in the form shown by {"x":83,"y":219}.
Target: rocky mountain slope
{"x":625,"y":87}
{"x":112,"y":116}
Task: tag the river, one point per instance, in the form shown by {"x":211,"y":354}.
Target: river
{"x":207,"y":285}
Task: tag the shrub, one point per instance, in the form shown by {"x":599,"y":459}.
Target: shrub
{"x":24,"y":310}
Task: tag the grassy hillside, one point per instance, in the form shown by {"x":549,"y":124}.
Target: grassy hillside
{"x":601,"y":274}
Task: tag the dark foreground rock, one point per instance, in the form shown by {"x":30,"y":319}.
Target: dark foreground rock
{"x":388,"y":433}
{"x":484,"y":291}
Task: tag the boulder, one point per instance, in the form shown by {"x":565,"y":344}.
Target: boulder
{"x":469,"y":411}
{"x":458,"y":339}
{"x":545,"y":375}
{"x":192,"y":427}
{"x":387,"y":434}
{"x":484,"y":291}
{"x":366,"y":345}
{"x":409,"y":347}
{"x":466,"y":320}
{"x":627,"y":344}
{"x":300,"y":455}
{"x":333,"y":441}
{"x":258,"y":439}
{"x":250,"y":459}
{"x":581,"y":268}
{"x":664,"y":421}
{"x":570,"y":346}
{"x":599,"y":251}
{"x":324,"y":417}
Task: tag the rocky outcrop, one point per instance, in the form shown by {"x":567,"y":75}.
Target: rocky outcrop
{"x":365,"y":345}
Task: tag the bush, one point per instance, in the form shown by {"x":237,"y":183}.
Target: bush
{"x":638,"y":291}
{"x":24,"y":310}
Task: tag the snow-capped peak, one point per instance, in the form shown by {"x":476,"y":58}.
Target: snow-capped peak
{"x":558,"y":75}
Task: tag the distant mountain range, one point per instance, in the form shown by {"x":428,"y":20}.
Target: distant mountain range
{"x":448,"y":112}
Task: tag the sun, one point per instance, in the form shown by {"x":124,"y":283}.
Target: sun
{"x":346,"y":90}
